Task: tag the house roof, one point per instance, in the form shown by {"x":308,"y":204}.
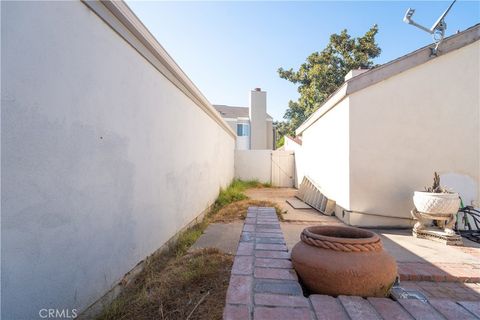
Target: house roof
{"x":391,"y":69}
{"x":234,"y":112}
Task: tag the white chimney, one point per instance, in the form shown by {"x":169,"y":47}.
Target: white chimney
{"x":354,"y":73}
{"x":258,"y":119}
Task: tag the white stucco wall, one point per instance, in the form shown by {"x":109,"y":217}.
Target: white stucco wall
{"x":325,"y":156}
{"x":103,"y":158}
{"x":243,"y":142}
{"x":290,"y":145}
{"x":269,"y":135}
{"x":404,"y":128}
{"x":253,"y":164}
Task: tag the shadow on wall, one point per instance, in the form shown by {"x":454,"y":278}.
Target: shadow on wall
{"x":466,"y":187}
{"x":67,"y":201}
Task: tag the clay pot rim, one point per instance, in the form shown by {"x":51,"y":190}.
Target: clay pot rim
{"x":366,"y":237}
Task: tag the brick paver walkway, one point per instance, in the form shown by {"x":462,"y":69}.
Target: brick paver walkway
{"x":445,"y":290}
{"x":263,"y":285}
{"x":439,"y":272}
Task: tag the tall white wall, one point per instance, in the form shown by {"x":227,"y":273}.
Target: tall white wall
{"x":253,"y":165}
{"x":290,"y":145}
{"x":325,"y":153}
{"x":103,"y":158}
{"x":406,"y":127}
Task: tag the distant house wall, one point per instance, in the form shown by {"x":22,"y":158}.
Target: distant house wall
{"x":258,"y":125}
{"x":259,"y":135}
{"x":232,"y":124}
{"x":243,"y":142}
{"x":325,"y":153}
{"x":103,"y":158}
{"x":270,"y":135}
{"x":406,"y":127}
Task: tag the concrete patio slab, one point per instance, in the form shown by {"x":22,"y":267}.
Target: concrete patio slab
{"x":223,"y":236}
{"x":292,"y":231}
{"x":297,"y":204}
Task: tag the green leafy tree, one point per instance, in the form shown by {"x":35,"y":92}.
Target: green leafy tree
{"x":280,"y":142}
{"x":282,"y":128}
{"x":323,"y":72}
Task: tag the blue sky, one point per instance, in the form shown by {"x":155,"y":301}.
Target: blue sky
{"x":229,"y":48}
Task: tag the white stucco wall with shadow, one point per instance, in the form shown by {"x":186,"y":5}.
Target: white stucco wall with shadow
{"x":384,"y":133}
{"x":406,"y":127}
{"x":103,"y":158}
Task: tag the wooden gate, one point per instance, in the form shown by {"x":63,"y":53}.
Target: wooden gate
{"x":283,"y":168}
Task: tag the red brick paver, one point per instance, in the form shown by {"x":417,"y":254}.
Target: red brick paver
{"x":264,"y":285}
{"x":389,"y":309}
{"x":472,"y":306}
{"x":439,"y":272}
{"x":272,"y":254}
{"x":420,"y":310}
{"x":281,"y":300}
{"x":240,"y":290}
{"x":359,"y":308}
{"x":236,"y":312}
{"x":451,"y":310}
{"x":455,"y":291}
{"x":263,"y":282}
{"x":266,"y":313}
{"x":266,"y":246}
{"x":273,"y":263}
{"x":327,"y":308}
{"x":274,"y":273}
{"x":245,"y":249}
{"x":242,"y":265}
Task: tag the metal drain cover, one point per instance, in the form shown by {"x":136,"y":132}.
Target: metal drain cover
{"x":398,"y":293}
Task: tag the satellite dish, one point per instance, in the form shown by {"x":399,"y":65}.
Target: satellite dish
{"x":437,"y":30}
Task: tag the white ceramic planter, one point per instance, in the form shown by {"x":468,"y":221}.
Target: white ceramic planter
{"x":436,"y":203}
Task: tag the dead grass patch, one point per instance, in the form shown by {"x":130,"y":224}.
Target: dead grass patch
{"x":194,"y":284}
{"x":179,"y":285}
{"x":238,"y":210}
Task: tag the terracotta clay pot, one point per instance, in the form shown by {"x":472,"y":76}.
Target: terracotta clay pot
{"x":338,"y":260}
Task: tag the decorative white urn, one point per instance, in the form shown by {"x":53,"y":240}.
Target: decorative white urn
{"x":436,"y":203}
{"x":440,"y":206}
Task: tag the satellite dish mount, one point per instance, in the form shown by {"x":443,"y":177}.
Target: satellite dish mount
{"x":437,"y":30}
